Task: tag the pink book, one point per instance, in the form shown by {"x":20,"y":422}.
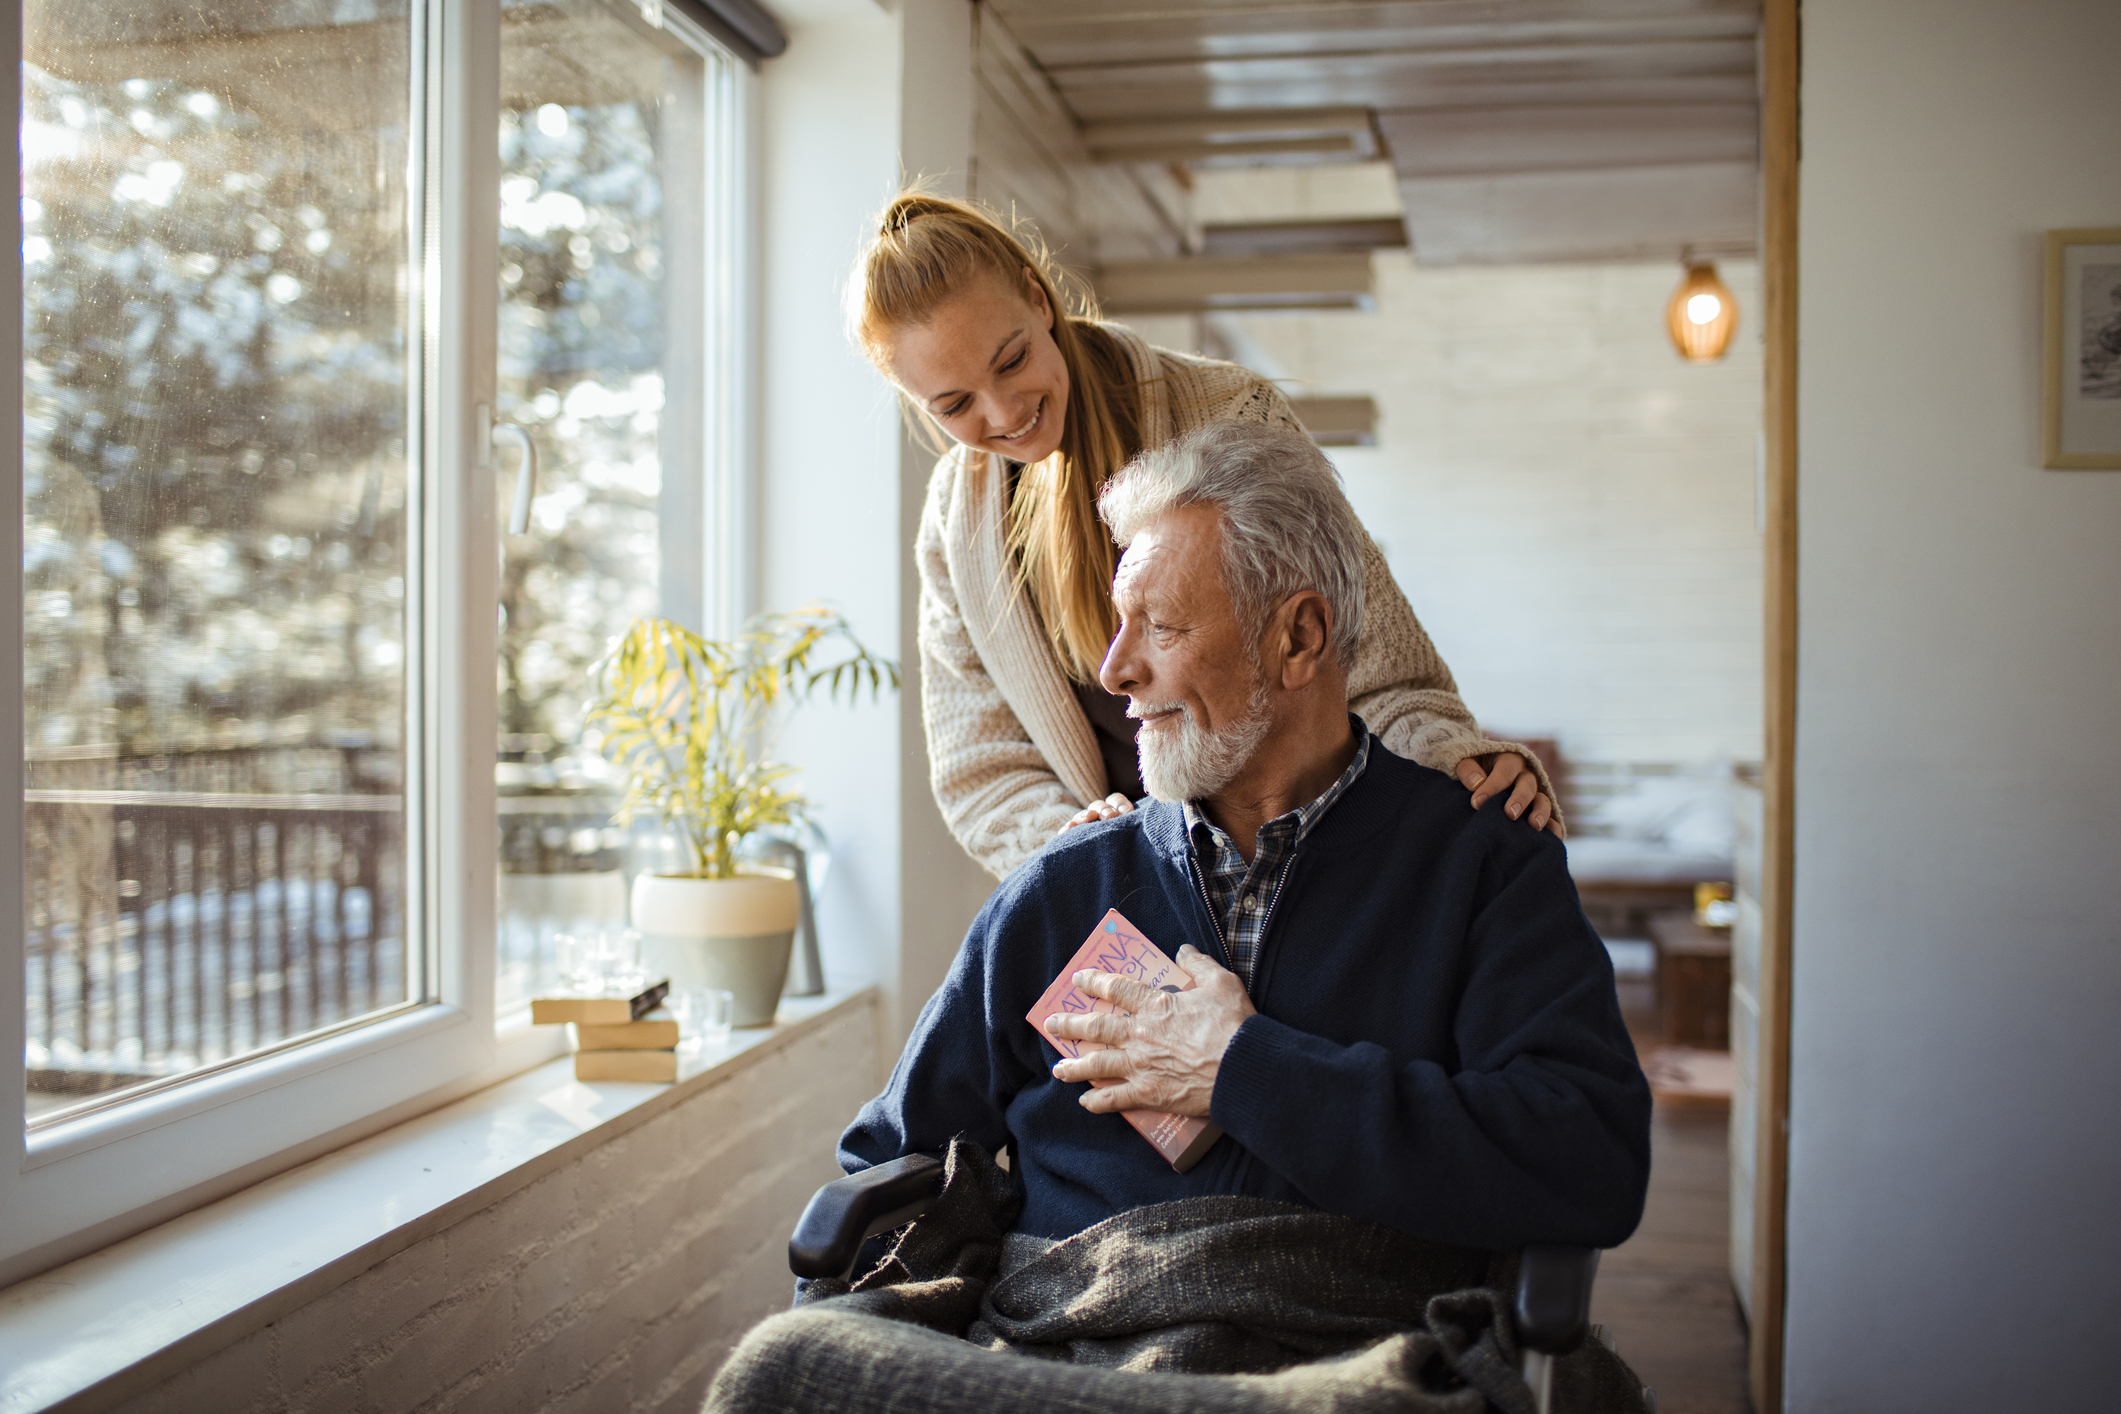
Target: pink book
{"x":1117,"y":946}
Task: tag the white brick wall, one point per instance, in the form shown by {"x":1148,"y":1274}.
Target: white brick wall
{"x":1568,"y":505}
{"x":616,"y":1282}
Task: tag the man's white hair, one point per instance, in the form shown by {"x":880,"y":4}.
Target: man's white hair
{"x":1287,"y":526}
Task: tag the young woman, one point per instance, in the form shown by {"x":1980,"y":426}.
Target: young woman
{"x":1016,"y":569}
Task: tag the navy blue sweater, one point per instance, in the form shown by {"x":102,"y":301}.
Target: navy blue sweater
{"x":1438,"y":1045}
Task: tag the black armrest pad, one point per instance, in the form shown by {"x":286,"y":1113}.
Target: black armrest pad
{"x":849,"y":1211}
{"x":1554,"y":1297}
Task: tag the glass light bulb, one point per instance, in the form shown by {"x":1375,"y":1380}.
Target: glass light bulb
{"x":1703,"y":309}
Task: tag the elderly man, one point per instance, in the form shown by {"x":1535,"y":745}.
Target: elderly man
{"x":1400,"y":1013}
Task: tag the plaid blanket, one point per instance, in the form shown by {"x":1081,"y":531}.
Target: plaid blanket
{"x":1208,"y":1306}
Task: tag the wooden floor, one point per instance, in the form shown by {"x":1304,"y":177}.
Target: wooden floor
{"x":1666,"y":1293}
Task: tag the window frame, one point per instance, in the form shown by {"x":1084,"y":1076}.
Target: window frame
{"x":79,"y":1182}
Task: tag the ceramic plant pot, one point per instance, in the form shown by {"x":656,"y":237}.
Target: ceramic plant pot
{"x":734,"y":934}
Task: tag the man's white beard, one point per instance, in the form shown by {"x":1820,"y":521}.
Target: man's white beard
{"x":1191,"y":763}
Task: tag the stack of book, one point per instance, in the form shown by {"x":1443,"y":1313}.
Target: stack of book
{"x":617,"y":1037}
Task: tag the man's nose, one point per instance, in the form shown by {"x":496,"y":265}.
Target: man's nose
{"x":1119,"y":674}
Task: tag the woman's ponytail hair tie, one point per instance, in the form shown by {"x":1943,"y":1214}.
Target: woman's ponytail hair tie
{"x":903,"y":213}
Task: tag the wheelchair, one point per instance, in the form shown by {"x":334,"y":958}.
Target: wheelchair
{"x":1550,"y":1309}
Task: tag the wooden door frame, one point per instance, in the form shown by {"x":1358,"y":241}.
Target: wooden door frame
{"x":1780,"y":55}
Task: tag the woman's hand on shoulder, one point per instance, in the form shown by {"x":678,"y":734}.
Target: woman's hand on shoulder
{"x":1490,"y":776}
{"x":1110,"y":808}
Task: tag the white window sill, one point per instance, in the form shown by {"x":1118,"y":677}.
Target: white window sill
{"x":117,"y":1321}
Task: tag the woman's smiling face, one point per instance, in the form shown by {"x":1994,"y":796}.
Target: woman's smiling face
{"x":985,"y":367}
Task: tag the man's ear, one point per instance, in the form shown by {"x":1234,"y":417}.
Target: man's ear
{"x":1303,"y":632}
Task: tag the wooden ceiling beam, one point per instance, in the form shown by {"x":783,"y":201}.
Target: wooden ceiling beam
{"x":1263,"y":122}
{"x":1211,"y":38}
{"x":1489,"y":141}
{"x":1411,"y":92}
{"x":1336,"y":235}
{"x":1251,"y":152}
{"x":1619,"y":213}
{"x":1027,"y":16}
{"x":1591,"y":58}
{"x":1342,"y":134}
{"x":1204,"y":284}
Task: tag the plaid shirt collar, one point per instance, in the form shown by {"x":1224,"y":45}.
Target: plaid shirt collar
{"x":1242,"y":896}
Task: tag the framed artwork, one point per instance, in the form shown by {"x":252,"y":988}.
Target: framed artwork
{"x":2082,"y":418}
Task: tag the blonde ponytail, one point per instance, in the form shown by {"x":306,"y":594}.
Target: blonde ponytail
{"x":928,"y":249}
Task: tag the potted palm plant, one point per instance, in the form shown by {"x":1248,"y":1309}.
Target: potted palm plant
{"x":689,"y":722}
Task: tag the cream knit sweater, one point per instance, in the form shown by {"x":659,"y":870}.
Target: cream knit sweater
{"x":1010,"y":755}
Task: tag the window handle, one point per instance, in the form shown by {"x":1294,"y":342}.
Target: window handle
{"x":526,"y":475}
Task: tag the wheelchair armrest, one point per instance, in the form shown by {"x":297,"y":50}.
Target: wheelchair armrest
{"x":849,"y":1211}
{"x":1553,"y":1306}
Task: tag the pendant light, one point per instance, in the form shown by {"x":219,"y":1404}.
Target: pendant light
{"x":1702,"y":316}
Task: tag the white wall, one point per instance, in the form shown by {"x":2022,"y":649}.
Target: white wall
{"x":1954,"y":1233}
{"x":941,"y":888}
{"x":828,"y":497}
{"x":860,"y":98}
{"x":1569,"y":506}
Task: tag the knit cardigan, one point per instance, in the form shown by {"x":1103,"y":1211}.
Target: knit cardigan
{"x":1010,"y":754}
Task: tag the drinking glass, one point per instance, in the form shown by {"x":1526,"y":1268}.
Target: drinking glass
{"x":600,"y":960}
{"x":705,"y":1016}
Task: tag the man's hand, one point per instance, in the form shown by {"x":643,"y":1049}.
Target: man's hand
{"x":1168,"y":1045}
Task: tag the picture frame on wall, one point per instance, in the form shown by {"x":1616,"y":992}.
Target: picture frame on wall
{"x":2081,"y":423}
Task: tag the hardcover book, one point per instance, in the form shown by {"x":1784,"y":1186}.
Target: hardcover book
{"x":598,"y":1011}
{"x":649,"y":1034}
{"x":1117,"y":946}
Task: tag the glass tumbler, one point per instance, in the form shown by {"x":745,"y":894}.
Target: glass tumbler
{"x":705,"y":1016}
{"x":600,"y":961}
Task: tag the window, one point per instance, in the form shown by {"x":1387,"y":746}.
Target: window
{"x":261,"y":572}
{"x":216,"y":487}
{"x":607,"y":123}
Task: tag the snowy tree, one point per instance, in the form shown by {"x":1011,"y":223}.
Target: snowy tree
{"x":214,"y":422}
{"x":581,"y":343}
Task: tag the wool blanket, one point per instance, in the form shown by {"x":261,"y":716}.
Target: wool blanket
{"x":1220,"y":1305}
